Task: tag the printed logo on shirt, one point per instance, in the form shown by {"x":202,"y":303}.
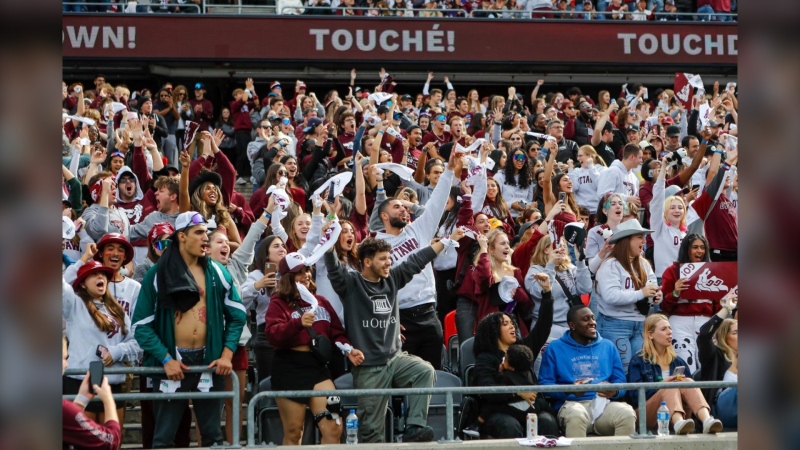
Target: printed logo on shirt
{"x":381,"y":305}
{"x":134,"y":214}
{"x":585,"y":179}
{"x":404,"y":249}
{"x":629,"y":188}
{"x":319,"y":314}
{"x":585,"y":366}
{"x":113,"y":332}
{"x":118,"y":224}
{"x":377,"y":323}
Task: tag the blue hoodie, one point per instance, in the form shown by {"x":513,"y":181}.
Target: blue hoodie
{"x":566,"y":361}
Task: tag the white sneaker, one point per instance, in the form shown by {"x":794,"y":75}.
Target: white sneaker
{"x":241,"y":181}
{"x":712,"y":425}
{"x":684,"y":426}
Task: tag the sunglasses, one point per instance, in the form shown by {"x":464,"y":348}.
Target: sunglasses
{"x":397,"y":115}
{"x":265,"y":127}
{"x":162,"y":244}
{"x":126,"y":180}
{"x":197,"y":219}
{"x":520,"y":157}
{"x":285,"y":121}
{"x":441,"y":118}
{"x":283,"y":173}
{"x":120,"y":154}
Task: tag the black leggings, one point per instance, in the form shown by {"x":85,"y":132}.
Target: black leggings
{"x":264,"y":354}
{"x":445,"y":298}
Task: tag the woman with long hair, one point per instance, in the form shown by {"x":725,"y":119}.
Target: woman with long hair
{"x":551,"y":192}
{"x":495,"y":207}
{"x":668,"y":221}
{"x":477,"y":127}
{"x":626,"y":286}
{"x":490,"y":267}
{"x":718,"y":346}
{"x":258,"y":288}
{"x":687,"y":317}
{"x":515,"y":181}
{"x":260,"y":198}
{"x":587,"y":174}
{"x":206,"y":198}
{"x":611,"y":209}
{"x":293,"y":309}
{"x":495,"y":334}
{"x":603,"y":100}
{"x":475,"y":105}
{"x":225,"y":123}
{"x":656,"y":362}
{"x":98,"y":329}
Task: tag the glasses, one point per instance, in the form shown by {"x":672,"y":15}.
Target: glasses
{"x":162,"y":244}
{"x":441,"y":118}
{"x":570,"y":107}
{"x":265,"y":127}
{"x":120,"y":154}
{"x":196,"y":219}
{"x":519,"y":157}
{"x":283,"y":173}
{"x":126,"y":180}
{"x":534,"y":149}
{"x":558,"y":127}
{"x":164,"y":96}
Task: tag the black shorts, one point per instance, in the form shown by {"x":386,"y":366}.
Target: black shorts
{"x":71,"y":386}
{"x":297,"y":371}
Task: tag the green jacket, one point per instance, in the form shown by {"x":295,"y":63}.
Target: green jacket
{"x":154,"y":327}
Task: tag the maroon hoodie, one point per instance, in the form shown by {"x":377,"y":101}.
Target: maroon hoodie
{"x":241,"y":114}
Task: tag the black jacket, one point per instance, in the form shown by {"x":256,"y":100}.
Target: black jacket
{"x":487,"y":362}
{"x":567,"y":150}
{"x":581,"y":136}
{"x":713,"y":363}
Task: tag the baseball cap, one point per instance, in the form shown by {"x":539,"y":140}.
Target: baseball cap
{"x":672,"y":190}
{"x":714,"y":124}
{"x":198,"y":86}
{"x":302,"y":85}
{"x":275,"y":84}
{"x":406,"y":97}
{"x":292,"y":263}
{"x":189,"y":219}
{"x":667,"y":119}
{"x":312,"y":123}
{"x":669,"y":2}
{"x":673,"y":131}
{"x":383,"y":109}
{"x":633,"y":127}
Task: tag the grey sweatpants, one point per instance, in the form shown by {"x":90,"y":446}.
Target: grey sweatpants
{"x":402,"y":371}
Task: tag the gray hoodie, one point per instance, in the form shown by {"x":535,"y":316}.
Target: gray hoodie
{"x":140,"y":230}
{"x":101,"y":220}
{"x":372,"y":317}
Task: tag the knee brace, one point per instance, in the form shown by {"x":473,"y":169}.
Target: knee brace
{"x":332,"y":411}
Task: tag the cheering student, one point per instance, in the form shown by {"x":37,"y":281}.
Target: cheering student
{"x":718,"y":345}
{"x":561,"y":184}
{"x":656,"y":362}
{"x":373,"y":325}
{"x":192,"y":309}
{"x":515,"y":181}
{"x":294,"y":317}
{"x":586,"y":177}
{"x":668,"y":221}
{"x":626,"y":285}
{"x":97,"y":330}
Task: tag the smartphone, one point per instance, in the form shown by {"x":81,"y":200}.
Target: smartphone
{"x":695,"y":186}
{"x":78,"y":226}
{"x":101,"y":351}
{"x":562,"y":197}
{"x":679,"y":371}
{"x":331,"y":194}
{"x":95,"y":374}
{"x":270,"y":268}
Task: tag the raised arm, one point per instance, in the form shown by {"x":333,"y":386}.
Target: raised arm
{"x":184,"y":201}
{"x":547,"y":185}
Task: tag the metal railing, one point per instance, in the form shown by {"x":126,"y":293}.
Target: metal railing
{"x":579,"y":14}
{"x":449,"y":391}
{"x":234,"y":394}
{"x":122,"y":5}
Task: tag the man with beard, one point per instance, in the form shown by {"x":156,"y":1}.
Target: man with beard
{"x":603,"y":135}
{"x":567,"y":149}
{"x":130,"y":200}
{"x":417,"y":299}
{"x":188,"y":313}
{"x":582,"y":356}
{"x":579,"y":128}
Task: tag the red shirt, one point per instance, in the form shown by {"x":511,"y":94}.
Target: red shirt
{"x":721,"y":228}
{"x":439,"y":140}
{"x":675,"y":306}
{"x":82,"y":432}
{"x":284,"y":329}
{"x":241,"y":114}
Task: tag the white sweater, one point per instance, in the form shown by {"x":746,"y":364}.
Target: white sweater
{"x":584,"y":185}
{"x":84,"y":336}
{"x":615,"y":292}
{"x":126,"y":292}
{"x":577,"y":279}
{"x":666,"y":238}
{"x":513,"y":194}
{"x":415,"y":236}
{"x":619,"y":180}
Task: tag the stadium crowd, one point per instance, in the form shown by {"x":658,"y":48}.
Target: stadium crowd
{"x":552,"y":228}
{"x":642,"y":10}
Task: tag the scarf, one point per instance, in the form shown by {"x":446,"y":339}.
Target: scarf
{"x":176,"y":285}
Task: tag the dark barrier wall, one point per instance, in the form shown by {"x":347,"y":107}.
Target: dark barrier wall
{"x":403,"y":40}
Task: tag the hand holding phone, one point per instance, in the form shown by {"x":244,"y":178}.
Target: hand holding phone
{"x":679,"y":372}
{"x":95,"y":374}
{"x":331,"y":194}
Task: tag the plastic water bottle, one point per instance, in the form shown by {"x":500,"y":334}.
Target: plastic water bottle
{"x":662,"y":416}
{"x":352,"y":427}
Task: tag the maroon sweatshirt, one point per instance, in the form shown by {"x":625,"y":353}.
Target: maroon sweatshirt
{"x":82,"y":432}
{"x":284,"y":329}
{"x":241,"y":114}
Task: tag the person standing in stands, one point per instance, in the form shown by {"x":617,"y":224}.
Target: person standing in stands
{"x":373,"y":325}
{"x":243,"y":102}
{"x":417,"y":299}
{"x":199,"y":319}
{"x":202,"y":107}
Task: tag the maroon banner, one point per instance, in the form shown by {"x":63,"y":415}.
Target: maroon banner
{"x":710,"y":280}
{"x":355,"y":39}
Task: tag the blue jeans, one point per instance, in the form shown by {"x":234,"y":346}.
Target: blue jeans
{"x":625,"y":334}
{"x":655,"y":5}
{"x":601,"y":7}
{"x":728,"y":408}
{"x":73,"y":7}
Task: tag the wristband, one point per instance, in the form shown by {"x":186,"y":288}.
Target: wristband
{"x":726,"y":166}
{"x":381,"y":132}
{"x":331,"y":216}
{"x":703,"y":142}
{"x":718,"y":151}
{"x":676,"y":294}
{"x":167,"y":359}
{"x":81,"y":400}
{"x":267,"y":215}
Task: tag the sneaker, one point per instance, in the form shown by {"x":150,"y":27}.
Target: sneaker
{"x":473,"y":430}
{"x":416,"y":433}
{"x":712,"y":425}
{"x":241,"y":181}
{"x":684,"y":426}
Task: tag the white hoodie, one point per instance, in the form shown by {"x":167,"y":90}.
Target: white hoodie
{"x":615,"y":292}
{"x":584,"y":185}
{"x":619,"y":180}
{"x":666,"y":238}
{"x":415,"y":236}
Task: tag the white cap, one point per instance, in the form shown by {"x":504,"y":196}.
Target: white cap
{"x":67,"y":228}
{"x":189,"y":218}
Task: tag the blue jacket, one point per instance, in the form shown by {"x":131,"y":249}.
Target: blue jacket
{"x":566,"y":361}
{"x":641,"y":371}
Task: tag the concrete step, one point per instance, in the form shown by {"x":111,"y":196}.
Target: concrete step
{"x":133,"y":426}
